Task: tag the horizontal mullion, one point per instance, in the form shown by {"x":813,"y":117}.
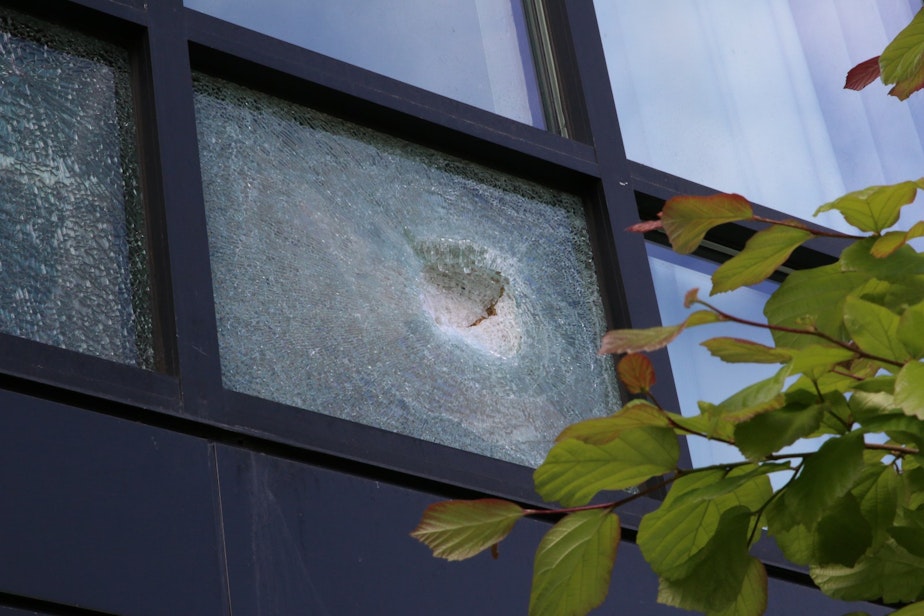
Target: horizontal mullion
{"x":342,"y":439}
{"x":226,"y":49}
{"x":662,"y":186}
{"x":86,"y":374}
{"x":103,"y":18}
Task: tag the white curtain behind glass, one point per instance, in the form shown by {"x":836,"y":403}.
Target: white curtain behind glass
{"x":475,"y":51}
{"x":748,"y":96}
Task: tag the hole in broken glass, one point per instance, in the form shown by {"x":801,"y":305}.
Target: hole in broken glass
{"x":468,"y":297}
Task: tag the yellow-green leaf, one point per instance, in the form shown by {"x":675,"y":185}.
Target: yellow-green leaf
{"x":814,"y":358}
{"x":456,"y":530}
{"x":573,"y":565}
{"x":902,"y":61}
{"x":915,"y":609}
{"x":715,"y":581}
{"x":652,"y":338}
{"x":636,"y":373}
{"x":574,"y":471}
{"x":875,"y":208}
{"x":909,"y":389}
{"x":766,"y":251}
{"x":687,"y":219}
{"x":601,"y":430}
{"x":874,"y":329}
{"x":738,"y":350}
{"x":893,"y":240}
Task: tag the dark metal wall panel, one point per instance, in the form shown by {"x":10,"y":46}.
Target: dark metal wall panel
{"x":307,"y":540}
{"x":106,"y":514}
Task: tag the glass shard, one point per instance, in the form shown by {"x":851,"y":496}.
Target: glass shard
{"x":73,"y":267}
{"x":371,"y":279}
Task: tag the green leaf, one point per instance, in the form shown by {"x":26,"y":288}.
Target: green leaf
{"x":687,"y":219}
{"x":913,"y":483}
{"x":911,"y":330}
{"x":890,"y":572}
{"x":573,"y":565}
{"x":915,"y":609}
{"x":752,"y":598}
{"x":574,"y":471}
{"x":652,"y":338}
{"x":896,"y":268}
{"x":602,"y":430}
{"x":874,"y":329}
{"x":901,"y":62}
{"x":673,"y":537}
{"x":767,"y":433}
{"x":456,"y":530}
{"x":910,"y":538}
{"x":814,"y":295}
{"x":901,"y":428}
{"x":766,"y":251}
{"x":874,"y":208}
{"x":826,"y":476}
{"x":909,"y":389}
{"x":878,"y":492}
{"x":737,"y":350}
{"x":715,"y":582}
{"x":843,"y":533}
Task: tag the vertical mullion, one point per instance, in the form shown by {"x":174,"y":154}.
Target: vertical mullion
{"x":634,"y":298}
{"x":181,"y":227}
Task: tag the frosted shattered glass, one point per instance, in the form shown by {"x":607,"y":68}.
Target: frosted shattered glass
{"x":72,"y":257}
{"x":370,"y":279}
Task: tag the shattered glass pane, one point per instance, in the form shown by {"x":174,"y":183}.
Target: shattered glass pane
{"x":72,"y":255}
{"x":371,"y":279}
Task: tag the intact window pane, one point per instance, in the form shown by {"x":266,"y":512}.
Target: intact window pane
{"x":72,"y":257}
{"x":371,"y":279}
{"x":475,"y":51}
{"x":697,"y":374}
{"x":748,"y":96}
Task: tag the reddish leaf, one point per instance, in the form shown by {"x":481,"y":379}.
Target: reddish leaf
{"x":636,"y":372}
{"x":653,"y":338}
{"x":906,"y":87}
{"x":863,"y":74}
{"x":691,"y":297}
{"x":645,"y":226}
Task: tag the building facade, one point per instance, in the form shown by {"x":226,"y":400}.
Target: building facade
{"x":276,"y":276}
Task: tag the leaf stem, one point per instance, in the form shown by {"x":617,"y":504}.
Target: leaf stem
{"x":807,"y":332}
{"x":815,"y":232}
{"x":896,"y":449}
{"x":610,"y":505}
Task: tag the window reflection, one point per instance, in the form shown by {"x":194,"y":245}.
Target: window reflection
{"x":748,"y":96}
{"x":475,"y":51}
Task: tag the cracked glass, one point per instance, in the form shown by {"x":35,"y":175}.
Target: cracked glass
{"x":371,"y":279}
{"x":73,"y":267}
